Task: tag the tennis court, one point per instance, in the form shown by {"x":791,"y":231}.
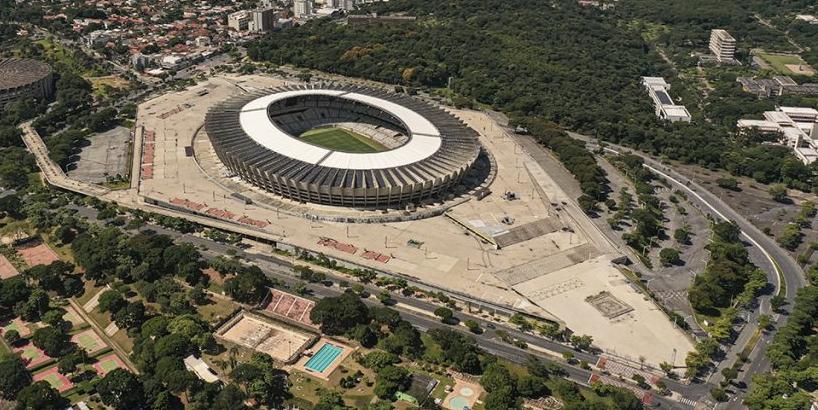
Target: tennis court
{"x":18,"y":325}
{"x":7,"y":270}
{"x":339,"y":139}
{"x":31,"y":355}
{"x":38,"y":255}
{"x":58,"y":381}
{"x":89,"y":341}
{"x":107,"y":364}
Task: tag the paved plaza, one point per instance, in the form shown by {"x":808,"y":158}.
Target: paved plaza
{"x":545,"y":241}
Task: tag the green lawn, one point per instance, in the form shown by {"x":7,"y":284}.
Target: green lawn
{"x":779,"y":62}
{"x":338,"y":139}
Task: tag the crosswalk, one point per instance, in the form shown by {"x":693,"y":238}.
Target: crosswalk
{"x":691,"y":403}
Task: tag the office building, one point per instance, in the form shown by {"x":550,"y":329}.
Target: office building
{"x":722,"y":45}
{"x":262,"y":20}
{"x":303,"y":8}
{"x":239,"y":21}
{"x":665,"y":108}
{"x":796,"y":127}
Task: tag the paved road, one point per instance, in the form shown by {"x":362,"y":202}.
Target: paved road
{"x":778,"y":263}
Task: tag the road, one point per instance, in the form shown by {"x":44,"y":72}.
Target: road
{"x":779,"y":264}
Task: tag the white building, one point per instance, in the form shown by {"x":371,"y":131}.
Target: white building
{"x":796,"y":127}
{"x":262,"y":20}
{"x":238,"y":21}
{"x":665,"y":108}
{"x":302,"y":8}
{"x":722,"y":45}
{"x":200,"y":369}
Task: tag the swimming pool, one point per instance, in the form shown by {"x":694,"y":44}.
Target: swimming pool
{"x":323,"y":358}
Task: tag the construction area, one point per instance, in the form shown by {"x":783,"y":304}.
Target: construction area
{"x":518,"y":243}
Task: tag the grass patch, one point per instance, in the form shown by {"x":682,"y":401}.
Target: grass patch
{"x":216,"y":308}
{"x":338,"y":139}
{"x":780,"y":62}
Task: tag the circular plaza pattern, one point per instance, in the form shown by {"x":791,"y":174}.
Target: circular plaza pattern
{"x":342,"y":145}
{"x":24,"y":77}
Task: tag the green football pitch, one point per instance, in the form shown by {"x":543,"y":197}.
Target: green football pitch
{"x":338,"y":139}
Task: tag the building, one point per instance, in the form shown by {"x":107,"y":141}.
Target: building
{"x":723,"y":46}
{"x":302,"y":8}
{"x":778,"y":85}
{"x":665,"y":108}
{"x":200,"y":369}
{"x":24,"y":78}
{"x":238,"y":21}
{"x":796,"y":127}
{"x":375,"y":18}
{"x":421,"y":153}
{"x":97,"y":38}
{"x":262,"y":20}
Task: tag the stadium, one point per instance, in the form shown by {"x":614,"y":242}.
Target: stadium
{"x":22,"y":78}
{"x":343,"y":145}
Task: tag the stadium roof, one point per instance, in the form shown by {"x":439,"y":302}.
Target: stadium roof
{"x":17,"y":72}
{"x":424,"y":136}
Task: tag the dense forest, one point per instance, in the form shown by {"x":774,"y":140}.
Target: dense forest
{"x":577,"y":67}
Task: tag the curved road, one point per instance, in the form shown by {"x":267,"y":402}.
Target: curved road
{"x":779,"y":262}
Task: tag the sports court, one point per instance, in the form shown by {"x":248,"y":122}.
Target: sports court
{"x":291,"y":307}
{"x":19,"y":325}
{"x":89,"y":341}
{"x":463,"y":396}
{"x":58,"y":381}
{"x":323,"y":358}
{"x":38,"y":255}
{"x":107,"y":364}
{"x":7,"y":270}
{"x":32,"y":356}
{"x":253,"y":332}
{"x":72,"y":316}
{"x":339,"y":139}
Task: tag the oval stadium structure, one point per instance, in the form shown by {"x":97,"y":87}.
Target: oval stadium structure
{"x":342,"y":145}
{"x":23,"y":77}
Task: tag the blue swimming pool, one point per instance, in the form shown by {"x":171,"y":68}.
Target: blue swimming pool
{"x":322,"y":359}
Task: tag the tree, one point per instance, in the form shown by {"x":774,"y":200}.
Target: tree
{"x":121,"y":390}
{"x":445,"y":314}
{"x":337,"y":315}
{"x":111,"y":301}
{"x":13,"y":377}
{"x":764,"y":322}
{"x":581,"y":342}
{"x":728,"y":183}
{"x":52,"y":341}
{"x":718,"y":394}
{"x":249,"y":286}
{"x":229,"y":398}
{"x":503,"y":398}
{"x":378,"y":359}
{"x":40,"y":396}
{"x":12,"y":337}
{"x":778,"y":192}
{"x":473,"y":326}
{"x":390,"y":380}
{"x":496,"y":376}
{"x":682,"y":236}
{"x":669,"y":257}
{"x":777,"y":302}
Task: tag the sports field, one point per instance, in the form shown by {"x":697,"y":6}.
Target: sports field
{"x":338,"y":139}
{"x":788,"y":64}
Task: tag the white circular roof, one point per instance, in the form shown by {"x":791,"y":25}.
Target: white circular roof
{"x":424,"y":137}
